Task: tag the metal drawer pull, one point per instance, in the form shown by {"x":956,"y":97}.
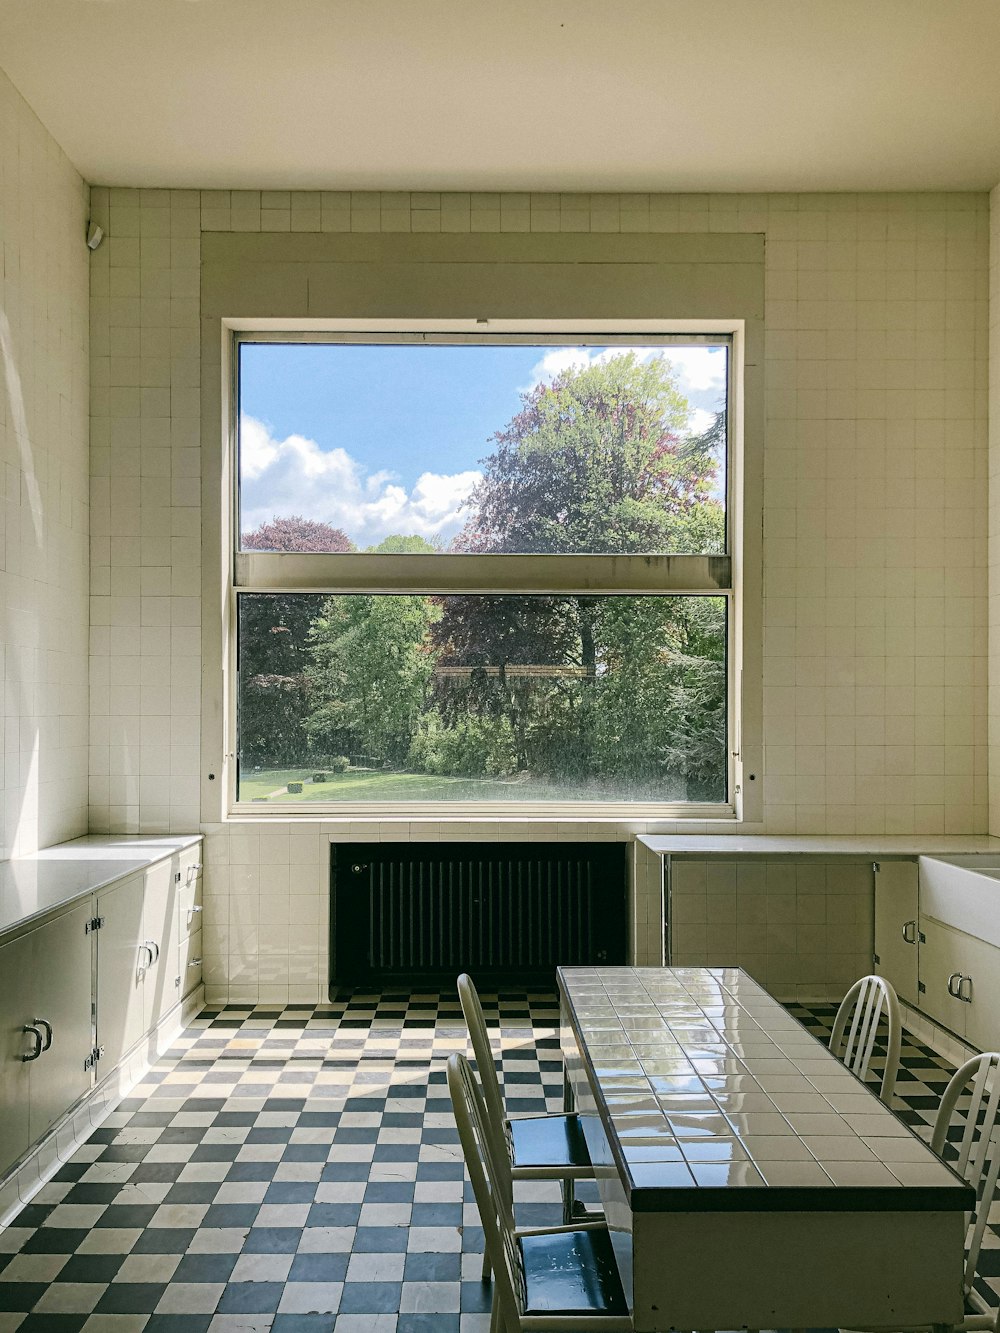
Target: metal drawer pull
{"x":37,"y":1049}
{"x":954,"y":981}
{"x":192,"y":910}
{"x":907,"y":927}
{"x":195,"y":962}
{"x":44,"y":1023}
{"x":154,"y":951}
{"x":961,"y":993}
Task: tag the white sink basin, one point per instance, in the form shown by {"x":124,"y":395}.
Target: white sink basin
{"x":963,"y":892}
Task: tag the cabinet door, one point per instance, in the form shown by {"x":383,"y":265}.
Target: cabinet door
{"x":159,"y":915}
{"x":60,"y":989}
{"x":942,"y":955}
{"x":980,"y":988}
{"x":15,"y":970}
{"x":121,"y":969}
{"x":896,"y":926}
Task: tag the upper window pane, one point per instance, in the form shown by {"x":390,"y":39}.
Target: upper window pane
{"x":489,"y":448}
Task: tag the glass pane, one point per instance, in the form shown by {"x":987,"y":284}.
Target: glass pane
{"x":480,"y":698}
{"x":501,"y":449}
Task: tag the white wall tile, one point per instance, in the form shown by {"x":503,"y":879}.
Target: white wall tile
{"x":44,"y":482}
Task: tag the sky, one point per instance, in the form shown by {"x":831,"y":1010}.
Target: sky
{"x":380,"y":439}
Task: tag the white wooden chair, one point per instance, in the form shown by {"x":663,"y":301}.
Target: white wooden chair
{"x":559,"y":1278}
{"x":547,"y":1146}
{"x":978,"y":1164}
{"x":863,"y":1006}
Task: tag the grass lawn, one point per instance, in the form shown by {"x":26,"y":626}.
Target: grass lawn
{"x":375,"y":785}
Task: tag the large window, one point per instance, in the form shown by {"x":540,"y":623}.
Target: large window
{"x":487,"y":569}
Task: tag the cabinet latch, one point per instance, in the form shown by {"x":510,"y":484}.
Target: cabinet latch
{"x":921,"y":988}
{"x":875,"y":959}
{"x":95,"y":923}
{"x":93,"y":1057}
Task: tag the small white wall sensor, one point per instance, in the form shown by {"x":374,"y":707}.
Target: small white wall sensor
{"x":95,"y":235}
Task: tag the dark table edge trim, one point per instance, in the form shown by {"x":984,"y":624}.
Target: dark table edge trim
{"x":769,"y":1198}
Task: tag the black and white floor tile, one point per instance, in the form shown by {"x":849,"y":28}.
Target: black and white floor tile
{"x":297,"y":1170}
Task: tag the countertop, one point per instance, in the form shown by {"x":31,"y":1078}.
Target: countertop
{"x":31,"y":886}
{"x":758,"y":844}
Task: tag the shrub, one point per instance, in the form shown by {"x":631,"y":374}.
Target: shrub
{"x":473,"y":747}
{"x":294,"y":788}
{"x":339,"y":764}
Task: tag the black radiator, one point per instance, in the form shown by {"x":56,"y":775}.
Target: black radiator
{"x":504,"y":911}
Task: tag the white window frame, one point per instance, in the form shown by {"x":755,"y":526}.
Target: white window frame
{"x":270,"y":572}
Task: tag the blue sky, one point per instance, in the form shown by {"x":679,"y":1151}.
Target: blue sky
{"x":378,"y":439}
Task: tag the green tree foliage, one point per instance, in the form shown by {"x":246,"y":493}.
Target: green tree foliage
{"x":370,"y":663}
{"x":624,"y":688}
{"x":273,"y":630}
{"x":596,"y":462}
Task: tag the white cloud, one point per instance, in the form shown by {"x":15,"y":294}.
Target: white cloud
{"x":700,"y":420}
{"x":296,"y":476}
{"x":699,"y":369}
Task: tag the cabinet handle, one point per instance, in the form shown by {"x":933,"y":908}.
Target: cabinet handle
{"x":907,"y":927}
{"x":154,"y":951}
{"x":192,"y":910}
{"x":37,"y":1049}
{"x":195,"y":962}
{"x":142,"y":967}
{"x":954,"y":981}
{"x":961,"y":993}
{"x":44,"y":1023}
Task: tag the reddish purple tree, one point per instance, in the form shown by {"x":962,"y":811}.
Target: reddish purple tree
{"x":296,"y":534}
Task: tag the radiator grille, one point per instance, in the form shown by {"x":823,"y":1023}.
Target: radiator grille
{"x":517,"y":910}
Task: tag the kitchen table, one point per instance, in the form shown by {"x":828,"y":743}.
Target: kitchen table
{"x":748,"y":1178}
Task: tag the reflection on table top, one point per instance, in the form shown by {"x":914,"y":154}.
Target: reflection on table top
{"x":711,"y":1092}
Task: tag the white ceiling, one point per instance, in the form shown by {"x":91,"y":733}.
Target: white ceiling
{"x":677,"y":95}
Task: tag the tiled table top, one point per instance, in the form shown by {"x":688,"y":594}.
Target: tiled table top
{"x":711,"y":1093}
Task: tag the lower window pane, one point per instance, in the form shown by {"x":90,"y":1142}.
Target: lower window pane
{"x":394,"y":698}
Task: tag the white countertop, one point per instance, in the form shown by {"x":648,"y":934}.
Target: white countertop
{"x":758,"y":844}
{"x":32,"y":885}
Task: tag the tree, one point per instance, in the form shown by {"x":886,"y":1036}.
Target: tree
{"x":370,"y":662}
{"x":597,"y":461}
{"x":274,"y":649}
{"x":296,"y":534}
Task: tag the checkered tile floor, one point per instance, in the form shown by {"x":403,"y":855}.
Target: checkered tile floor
{"x":297,"y":1170}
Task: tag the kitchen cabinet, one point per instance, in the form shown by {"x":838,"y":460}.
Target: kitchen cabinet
{"x":121,"y":968}
{"x":60,"y":987}
{"x":45,"y":999}
{"x":942,"y":959}
{"x":15,"y":970}
{"x":161,"y":989}
{"x":896,"y":925}
{"x":84,"y":979}
{"x":189,"y":919}
{"x":962,"y":979}
{"x":979,"y":991}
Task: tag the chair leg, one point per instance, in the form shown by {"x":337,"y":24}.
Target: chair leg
{"x":487,"y":1270}
{"x":568,"y":1194}
{"x":495,"y":1313}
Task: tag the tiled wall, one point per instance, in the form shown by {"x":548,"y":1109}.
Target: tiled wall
{"x":994,"y":514}
{"x":802,"y":927}
{"x":44,"y":389}
{"x":874,"y":520}
{"x":145,"y":616}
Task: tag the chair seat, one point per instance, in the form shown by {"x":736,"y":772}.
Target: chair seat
{"x":551,"y":1140}
{"x":572,"y":1273}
